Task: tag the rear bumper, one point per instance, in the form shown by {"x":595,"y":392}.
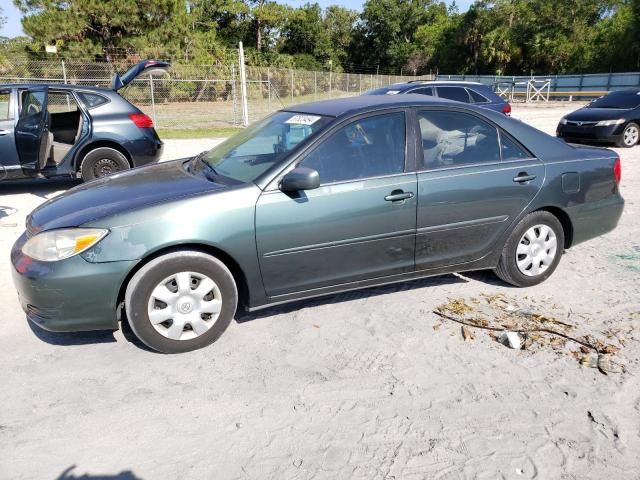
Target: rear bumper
{"x":146,"y":150}
{"x":69,"y":295}
{"x":593,"y":219}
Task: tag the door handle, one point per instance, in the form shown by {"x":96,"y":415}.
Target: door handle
{"x":4,"y":132}
{"x":524,"y":177}
{"x":398,"y":196}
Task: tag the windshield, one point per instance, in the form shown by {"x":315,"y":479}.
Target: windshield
{"x":248,"y":154}
{"x":620,"y":99}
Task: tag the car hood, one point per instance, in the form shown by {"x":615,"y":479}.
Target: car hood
{"x":596,"y":114}
{"x":141,"y":187}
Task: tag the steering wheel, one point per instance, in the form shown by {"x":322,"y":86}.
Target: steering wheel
{"x":32,"y":109}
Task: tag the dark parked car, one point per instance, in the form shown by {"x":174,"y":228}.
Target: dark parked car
{"x":312,"y":200}
{"x":614,"y":118}
{"x":465,"y":92}
{"x":71,"y":130}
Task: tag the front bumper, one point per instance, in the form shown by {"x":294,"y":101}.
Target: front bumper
{"x":69,"y":295}
{"x":590,"y":134}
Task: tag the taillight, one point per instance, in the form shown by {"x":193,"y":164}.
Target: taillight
{"x":617,"y":170}
{"x":141,"y":120}
{"x":506,"y":109}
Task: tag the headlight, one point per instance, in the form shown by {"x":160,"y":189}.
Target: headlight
{"x":563,"y":121}
{"x":609,"y":123}
{"x":60,"y":244}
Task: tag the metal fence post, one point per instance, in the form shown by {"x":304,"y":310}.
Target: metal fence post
{"x":243,"y":87}
{"x":234,"y":95}
{"x":291,"y":85}
{"x":315,"y":85}
{"x":153,"y":101}
{"x":64,"y":72}
{"x":269,"y":86}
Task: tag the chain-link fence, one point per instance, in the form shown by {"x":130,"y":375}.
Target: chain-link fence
{"x":202,"y":96}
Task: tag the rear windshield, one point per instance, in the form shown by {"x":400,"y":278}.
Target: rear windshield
{"x":620,"y":99}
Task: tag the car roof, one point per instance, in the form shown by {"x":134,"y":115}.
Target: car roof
{"x":58,"y":86}
{"x":364,"y":103}
{"x":441,"y":82}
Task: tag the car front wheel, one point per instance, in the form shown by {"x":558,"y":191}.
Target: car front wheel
{"x":532,"y":251}
{"x":630,"y":135}
{"x":101,"y":162}
{"x":181,"y":301}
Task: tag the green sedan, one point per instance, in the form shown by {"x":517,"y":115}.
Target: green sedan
{"x":313,"y":200}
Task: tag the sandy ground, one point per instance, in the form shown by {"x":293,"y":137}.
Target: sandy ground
{"x":366,"y":385}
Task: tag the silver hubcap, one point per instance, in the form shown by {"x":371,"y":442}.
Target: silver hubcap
{"x":631,"y":135}
{"x":536,"y":250}
{"x":185,"y":305}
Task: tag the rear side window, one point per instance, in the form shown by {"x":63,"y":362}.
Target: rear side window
{"x":92,"y":100}
{"x":454,"y":93}
{"x":370,"y":147}
{"x":453,"y":139}
{"x":476,"y":97}
{"x":423,"y":91}
{"x":511,"y":150}
{"x":5,"y":97}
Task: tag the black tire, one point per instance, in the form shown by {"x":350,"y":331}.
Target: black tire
{"x":626,"y":131}
{"x":102,"y":161}
{"x":507,"y":268}
{"x":145,"y":280}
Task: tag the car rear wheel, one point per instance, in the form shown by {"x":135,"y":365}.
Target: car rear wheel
{"x":181,"y":301}
{"x":101,"y":162}
{"x":532,"y":251}
{"x":630,"y":135}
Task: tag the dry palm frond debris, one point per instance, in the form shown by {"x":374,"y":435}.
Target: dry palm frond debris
{"x":521,"y":327}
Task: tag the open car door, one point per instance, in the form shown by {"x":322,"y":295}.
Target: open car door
{"x":145,"y":67}
{"x":33,"y":140}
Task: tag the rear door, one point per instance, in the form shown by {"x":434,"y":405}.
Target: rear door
{"x":474,"y":182}
{"x":359,"y":224}
{"x":32,"y":130}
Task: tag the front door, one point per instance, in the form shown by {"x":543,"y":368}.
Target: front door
{"x":9,"y":162}
{"x":359,"y":224}
{"x":474,"y":181}
{"x":33,"y":140}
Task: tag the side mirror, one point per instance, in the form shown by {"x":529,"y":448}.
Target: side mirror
{"x":300,"y":178}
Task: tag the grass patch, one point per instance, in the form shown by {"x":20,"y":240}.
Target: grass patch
{"x":166,"y":133}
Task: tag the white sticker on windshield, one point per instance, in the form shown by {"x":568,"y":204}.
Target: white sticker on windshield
{"x":303,"y":119}
{"x":393,"y":92}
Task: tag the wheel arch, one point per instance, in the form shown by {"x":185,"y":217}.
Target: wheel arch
{"x":99,"y":144}
{"x":565,"y":221}
{"x":233,"y":266}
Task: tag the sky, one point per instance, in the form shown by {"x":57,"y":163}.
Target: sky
{"x":13,"y":28}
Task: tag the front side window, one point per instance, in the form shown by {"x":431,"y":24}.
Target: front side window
{"x":246,"y":155}
{"x":454,"y":93}
{"x":452,"y":139}
{"x":32,"y":103}
{"x":5,"y":97}
{"x":370,"y":147}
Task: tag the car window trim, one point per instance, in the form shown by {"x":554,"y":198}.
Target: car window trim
{"x":518,"y":144}
{"x":273,"y":183}
{"x":420,"y":165}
